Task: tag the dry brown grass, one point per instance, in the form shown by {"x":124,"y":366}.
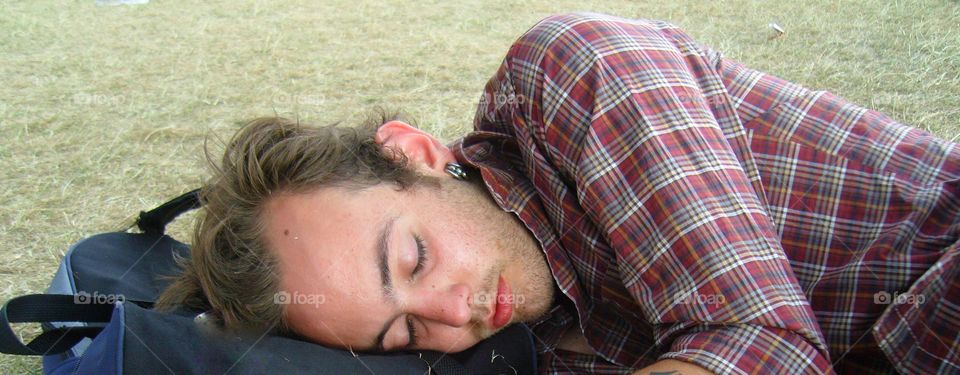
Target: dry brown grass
{"x":103,"y":110}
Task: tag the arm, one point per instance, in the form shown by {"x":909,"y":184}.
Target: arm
{"x":672,"y":367}
{"x":574,"y":341}
{"x":646,"y":143}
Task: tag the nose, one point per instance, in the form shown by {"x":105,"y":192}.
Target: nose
{"x":449,"y":306}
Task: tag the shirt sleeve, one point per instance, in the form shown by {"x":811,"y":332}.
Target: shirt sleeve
{"x":636,"y":120}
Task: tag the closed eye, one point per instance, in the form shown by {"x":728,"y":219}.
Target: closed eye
{"x":412,"y":331}
{"x":421,"y":260}
{"x":421,"y":255}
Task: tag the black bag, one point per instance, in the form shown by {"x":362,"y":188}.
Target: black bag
{"x":96,"y":318}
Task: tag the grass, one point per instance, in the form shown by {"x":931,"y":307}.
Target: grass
{"x":103,"y":110}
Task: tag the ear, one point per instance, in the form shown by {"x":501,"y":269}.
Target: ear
{"x":423,"y":150}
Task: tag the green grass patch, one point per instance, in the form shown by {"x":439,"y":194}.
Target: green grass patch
{"x":103,"y":110}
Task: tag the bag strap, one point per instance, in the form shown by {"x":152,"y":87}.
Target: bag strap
{"x":46,"y":308}
{"x":155,"y":221}
{"x":49,"y":308}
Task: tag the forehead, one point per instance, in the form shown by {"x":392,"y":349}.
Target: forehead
{"x":324,"y":242}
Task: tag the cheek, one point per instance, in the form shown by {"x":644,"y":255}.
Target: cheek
{"x":464,"y":258}
{"x":473,"y":243}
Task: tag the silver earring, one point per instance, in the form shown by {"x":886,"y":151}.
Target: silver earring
{"x":456,"y":170}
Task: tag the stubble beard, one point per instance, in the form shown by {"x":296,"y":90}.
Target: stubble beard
{"x":532,"y":292}
{"x":537,"y":290}
{"x":533,"y":287}
{"x":516,"y":249}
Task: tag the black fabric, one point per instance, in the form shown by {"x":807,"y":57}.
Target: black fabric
{"x":442,"y":363}
{"x":165,"y":343}
{"x":510,"y":351}
{"x":160,"y":343}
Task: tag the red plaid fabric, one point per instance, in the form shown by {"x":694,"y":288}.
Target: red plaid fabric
{"x":694,"y":209}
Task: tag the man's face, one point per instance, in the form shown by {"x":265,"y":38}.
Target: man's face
{"x":361,"y":269}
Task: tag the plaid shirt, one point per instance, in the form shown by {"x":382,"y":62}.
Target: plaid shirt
{"x":694,"y":209}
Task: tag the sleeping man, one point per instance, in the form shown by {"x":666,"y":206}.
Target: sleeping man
{"x":642,"y":203}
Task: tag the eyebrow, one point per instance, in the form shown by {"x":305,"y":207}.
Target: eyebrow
{"x":386,"y":283}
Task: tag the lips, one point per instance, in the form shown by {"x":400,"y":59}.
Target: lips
{"x":502,"y":305}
